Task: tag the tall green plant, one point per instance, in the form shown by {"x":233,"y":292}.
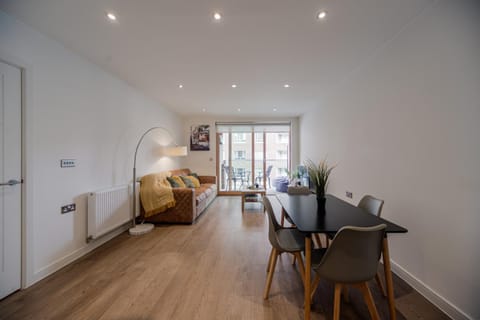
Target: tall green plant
{"x":319,"y":174}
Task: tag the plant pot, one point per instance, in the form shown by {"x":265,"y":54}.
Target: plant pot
{"x":321,"y":200}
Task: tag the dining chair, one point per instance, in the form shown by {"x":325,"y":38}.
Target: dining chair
{"x":242,"y":175}
{"x":373,"y":206}
{"x":266,"y":176}
{"x":288,"y":240}
{"x":229,"y":176}
{"x":351,"y":260}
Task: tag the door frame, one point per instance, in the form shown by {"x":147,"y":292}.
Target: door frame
{"x":26,"y":113}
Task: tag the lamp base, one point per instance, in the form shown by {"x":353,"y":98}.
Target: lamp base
{"x":140,"y":229}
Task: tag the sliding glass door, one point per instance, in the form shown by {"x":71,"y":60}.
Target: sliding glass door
{"x":251,"y":154}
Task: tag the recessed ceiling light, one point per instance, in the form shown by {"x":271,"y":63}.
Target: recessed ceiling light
{"x":111,"y":16}
{"x":238,"y":109}
{"x":274,"y":109}
{"x":180,"y":86}
{"x":321,"y":15}
{"x":203,"y":109}
{"x":217,"y":16}
{"x":234,"y":85}
{"x":286,"y":85}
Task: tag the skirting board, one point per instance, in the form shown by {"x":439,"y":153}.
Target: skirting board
{"x":440,"y":302}
{"x":64,"y":261}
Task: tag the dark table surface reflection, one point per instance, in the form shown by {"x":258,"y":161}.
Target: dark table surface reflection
{"x":309,"y":217}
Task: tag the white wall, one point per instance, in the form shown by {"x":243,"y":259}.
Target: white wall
{"x":74,"y":110}
{"x":405,"y":127}
{"x":203,"y":162}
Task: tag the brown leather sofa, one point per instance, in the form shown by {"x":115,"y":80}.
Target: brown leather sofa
{"x":189,"y":202}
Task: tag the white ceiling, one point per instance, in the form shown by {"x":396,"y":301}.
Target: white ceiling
{"x":259,"y":45}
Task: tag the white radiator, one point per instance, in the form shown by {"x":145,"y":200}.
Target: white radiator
{"x":109,"y":209}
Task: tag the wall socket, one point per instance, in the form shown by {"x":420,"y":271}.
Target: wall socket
{"x":349,"y":194}
{"x":69,"y":208}
{"x":68,"y":163}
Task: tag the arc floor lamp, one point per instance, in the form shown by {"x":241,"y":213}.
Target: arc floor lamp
{"x":173,"y":151}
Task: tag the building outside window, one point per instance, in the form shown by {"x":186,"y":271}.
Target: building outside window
{"x":240,"y":154}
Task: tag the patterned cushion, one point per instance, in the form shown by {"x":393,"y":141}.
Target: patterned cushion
{"x":194,"y":175}
{"x":188,"y":182}
{"x":173,"y":183}
{"x":176,"y":182}
{"x":195,"y":181}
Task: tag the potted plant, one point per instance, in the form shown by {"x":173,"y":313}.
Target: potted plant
{"x":319,"y":174}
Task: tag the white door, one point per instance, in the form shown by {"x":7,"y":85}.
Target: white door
{"x":10,"y":177}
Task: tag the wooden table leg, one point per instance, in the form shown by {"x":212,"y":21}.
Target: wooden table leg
{"x":308,"y":266}
{"x":388,"y":279}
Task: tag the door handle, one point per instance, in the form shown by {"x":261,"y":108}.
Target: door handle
{"x":11,"y":182}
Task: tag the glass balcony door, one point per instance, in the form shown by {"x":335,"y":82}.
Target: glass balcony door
{"x":249,"y":158}
{"x":235,"y":159}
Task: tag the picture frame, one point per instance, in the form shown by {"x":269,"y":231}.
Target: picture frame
{"x":200,"y":138}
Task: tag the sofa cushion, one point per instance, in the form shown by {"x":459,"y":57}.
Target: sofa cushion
{"x":187,"y":181}
{"x":208,"y":191}
{"x":176,"y":182}
{"x":194,"y":174}
{"x":191,"y":180}
{"x":200,"y":197}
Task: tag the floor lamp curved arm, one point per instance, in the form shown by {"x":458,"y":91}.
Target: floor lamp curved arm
{"x":144,"y":227}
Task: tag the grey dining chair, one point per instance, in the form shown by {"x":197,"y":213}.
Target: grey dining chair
{"x":351,"y":259}
{"x":373,"y":206}
{"x":288,"y":240}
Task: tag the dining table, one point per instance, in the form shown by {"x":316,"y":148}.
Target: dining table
{"x":311,"y":216}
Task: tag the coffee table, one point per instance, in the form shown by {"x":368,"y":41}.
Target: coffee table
{"x":252,"y":195}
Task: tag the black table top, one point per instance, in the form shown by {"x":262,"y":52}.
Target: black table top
{"x":303,"y":210}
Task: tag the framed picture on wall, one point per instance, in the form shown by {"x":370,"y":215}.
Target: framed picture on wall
{"x":200,"y":137}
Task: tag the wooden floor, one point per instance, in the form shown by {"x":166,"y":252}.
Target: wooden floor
{"x":215,"y":269}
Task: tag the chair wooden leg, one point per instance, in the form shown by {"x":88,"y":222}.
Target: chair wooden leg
{"x":336,"y":301}
{"x":327,"y":241}
{"x":380,"y":285}
{"x":301,"y":267}
{"x":367,"y":295}
{"x":316,"y":282}
{"x":270,"y":259}
{"x":316,"y":236}
{"x":270,"y":274}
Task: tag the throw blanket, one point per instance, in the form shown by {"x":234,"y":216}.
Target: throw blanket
{"x":156,"y":194}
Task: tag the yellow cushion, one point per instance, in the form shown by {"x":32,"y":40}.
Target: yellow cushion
{"x":179,"y":181}
{"x":194,"y":180}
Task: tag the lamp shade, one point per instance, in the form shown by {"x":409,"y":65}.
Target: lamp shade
{"x":176,"y":151}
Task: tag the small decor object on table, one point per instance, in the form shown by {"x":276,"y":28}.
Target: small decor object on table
{"x":319,"y":178}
